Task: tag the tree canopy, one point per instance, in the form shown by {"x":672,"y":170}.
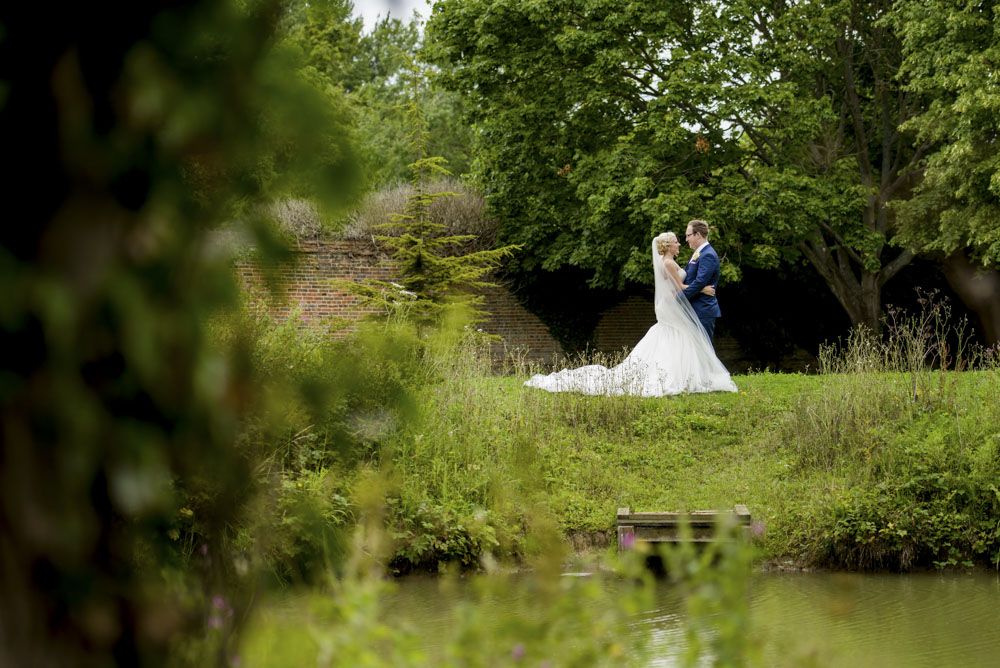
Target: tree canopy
{"x":601,"y":123}
{"x":951,"y":53}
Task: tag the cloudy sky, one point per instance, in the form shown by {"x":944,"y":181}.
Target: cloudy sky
{"x":369,"y":10}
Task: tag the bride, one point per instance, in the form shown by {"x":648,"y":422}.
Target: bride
{"x":674,"y":356}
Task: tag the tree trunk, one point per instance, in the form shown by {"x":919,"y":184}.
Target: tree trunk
{"x":859,"y":291}
{"x":979,"y":289}
{"x":862,"y":300}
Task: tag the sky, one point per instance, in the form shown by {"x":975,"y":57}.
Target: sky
{"x":369,"y":10}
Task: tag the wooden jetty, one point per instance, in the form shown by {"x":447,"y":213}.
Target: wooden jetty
{"x":637,"y":528}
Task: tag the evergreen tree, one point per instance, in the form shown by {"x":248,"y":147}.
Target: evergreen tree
{"x":434,"y":272}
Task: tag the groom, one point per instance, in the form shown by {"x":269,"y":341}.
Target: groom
{"x":702,"y":270}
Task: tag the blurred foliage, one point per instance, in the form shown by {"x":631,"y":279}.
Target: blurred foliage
{"x":119,"y":416}
{"x":330,"y":413}
{"x":538,"y":617}
{"x":380,"y":74}
{"x":714,"y":581}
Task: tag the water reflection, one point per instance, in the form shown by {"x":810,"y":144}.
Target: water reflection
{"x":814,"y":619}
{"x":878,"y":620}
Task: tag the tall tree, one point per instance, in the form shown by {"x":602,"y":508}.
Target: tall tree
{"x":812,"y":89}
{"x":952,"y":57}
{"x":602,"y":121}
{"x":397,"y":78}
{"x":329,"y":37}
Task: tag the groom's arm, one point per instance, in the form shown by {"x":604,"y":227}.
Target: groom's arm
{"x":708,"y":264}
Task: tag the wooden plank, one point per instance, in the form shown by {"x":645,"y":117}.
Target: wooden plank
{"x":665,"y":527}
{"x":677,"y":519}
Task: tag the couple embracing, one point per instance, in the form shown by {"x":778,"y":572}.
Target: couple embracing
{"x":676,"y":354}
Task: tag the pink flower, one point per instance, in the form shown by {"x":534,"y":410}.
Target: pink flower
{"x":518,"y":652}
{"x":628,"y":540}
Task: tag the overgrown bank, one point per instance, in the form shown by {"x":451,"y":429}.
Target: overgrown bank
{"x":853,"y":471}
{"x":860,"y":469}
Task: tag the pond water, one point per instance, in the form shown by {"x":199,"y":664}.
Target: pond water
{"x":820,"y":619}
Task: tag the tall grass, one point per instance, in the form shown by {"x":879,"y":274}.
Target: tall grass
{"x":882,"y":407}
{"x":907,"y":427}
{"x":912,"y":342}
{"x":877,"y":380}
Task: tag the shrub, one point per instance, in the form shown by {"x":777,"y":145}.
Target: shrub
{"x":936,"y":503}
{"x":464,"y":213}
{"x":429,"y":535}
{"x":306,"y":542}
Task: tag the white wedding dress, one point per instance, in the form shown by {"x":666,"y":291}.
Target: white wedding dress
{"x":675,"y":355}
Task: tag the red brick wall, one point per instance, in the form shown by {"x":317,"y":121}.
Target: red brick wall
{"x":309,"y":289}
{"x":520,"y":330}
{"x":622,"y":326}
{"x":319,"y":262}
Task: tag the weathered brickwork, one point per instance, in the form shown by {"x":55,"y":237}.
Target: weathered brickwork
{"x":309,"y":283}
{"x":310,"y":290}
{"x":520,"y":330}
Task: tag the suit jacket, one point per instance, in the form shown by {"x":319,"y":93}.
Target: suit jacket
{"x":701,"y":272}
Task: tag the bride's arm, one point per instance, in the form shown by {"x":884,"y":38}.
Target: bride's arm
{"x":673,"y":271}
{"x":707,"y":290}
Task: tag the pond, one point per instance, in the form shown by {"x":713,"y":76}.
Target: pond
{"x":798,"y":619}
{"x":823,"y":619}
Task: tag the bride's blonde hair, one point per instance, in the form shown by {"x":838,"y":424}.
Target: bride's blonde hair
{"x":662,"y":240}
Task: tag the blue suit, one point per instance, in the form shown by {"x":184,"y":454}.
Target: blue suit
{"x":701,"y":272}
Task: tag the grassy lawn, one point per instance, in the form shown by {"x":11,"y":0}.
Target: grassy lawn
{"x":789,"y":446}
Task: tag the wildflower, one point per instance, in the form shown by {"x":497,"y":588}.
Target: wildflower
{"x":628,"y":540}
{"x":518,"y":652}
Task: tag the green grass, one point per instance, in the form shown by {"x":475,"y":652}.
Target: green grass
{"x":791,"y":447}
{"x":890,"y":458}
